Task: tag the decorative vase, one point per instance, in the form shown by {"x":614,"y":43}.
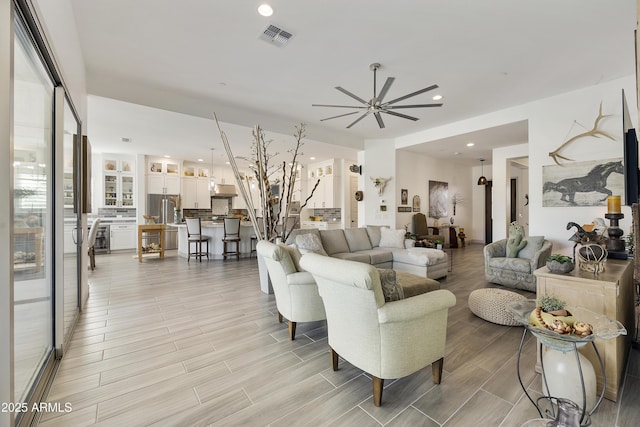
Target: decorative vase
{"x":560,"y":267}
{"x":177,"y":216}
{"x":435,"y":222}
{"x":451,"y":220}
{"x":564,"y":377}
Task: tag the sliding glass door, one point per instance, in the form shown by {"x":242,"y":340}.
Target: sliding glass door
{"x":32,"y":218}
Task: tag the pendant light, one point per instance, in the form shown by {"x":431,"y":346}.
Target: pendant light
{"x":482,"y":180}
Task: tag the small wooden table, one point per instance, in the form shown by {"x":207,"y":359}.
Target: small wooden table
{"x":150,"y":229}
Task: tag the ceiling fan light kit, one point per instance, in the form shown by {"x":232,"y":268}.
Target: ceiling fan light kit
{"x":376,"y":105}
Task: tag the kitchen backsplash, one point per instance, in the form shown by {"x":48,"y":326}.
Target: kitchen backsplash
{"x":329,"y":214}
{"x":115,"y":213}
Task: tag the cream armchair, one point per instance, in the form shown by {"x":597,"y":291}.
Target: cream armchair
{"x":296,"y":293}
{"x":385,"y":339}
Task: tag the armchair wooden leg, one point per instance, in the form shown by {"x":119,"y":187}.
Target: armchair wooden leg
{"x":436,"y":370}
{"x":334,"y":359}
{"x":378,"y":384}
{"x":292,"y":330}
{"x":279,"y":317}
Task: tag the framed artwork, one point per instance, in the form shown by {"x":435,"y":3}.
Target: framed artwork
{"x":416,"y":203}
{"x":438,"y":199}
{"x":404,"y":196}
{"x":582,"y":183}
{"x":404,"y":208}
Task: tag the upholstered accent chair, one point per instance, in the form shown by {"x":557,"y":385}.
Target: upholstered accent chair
{"x":420,"y":229}
{"x":296,"y":293}
{"x":385,"y":339}
{"x":516,"y":272}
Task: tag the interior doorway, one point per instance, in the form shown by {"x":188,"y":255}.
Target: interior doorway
{"x":488,"y":208}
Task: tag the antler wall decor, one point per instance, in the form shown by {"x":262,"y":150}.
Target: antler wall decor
{"x":595,"y":132}
{"x":380,"y":183}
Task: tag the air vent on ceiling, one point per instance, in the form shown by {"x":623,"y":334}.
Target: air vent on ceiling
{"x":276,"y":36}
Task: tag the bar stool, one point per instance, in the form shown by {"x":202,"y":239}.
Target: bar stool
{"x":231,"y":235}
{"x":194,"y":235}
{"x":254,"y":238}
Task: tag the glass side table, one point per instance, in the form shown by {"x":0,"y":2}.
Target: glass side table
{"x":603,"y":328}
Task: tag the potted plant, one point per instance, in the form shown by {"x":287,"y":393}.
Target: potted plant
{"x":560,"y":264}
{"x":439,"y":244}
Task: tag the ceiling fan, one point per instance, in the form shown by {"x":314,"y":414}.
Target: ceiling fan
{"x":375,"y":105}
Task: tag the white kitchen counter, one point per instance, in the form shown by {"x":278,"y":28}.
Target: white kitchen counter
{"x":215,"y":230}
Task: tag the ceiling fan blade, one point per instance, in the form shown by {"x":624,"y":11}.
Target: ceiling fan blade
{"x":341,"y":115}
{"x":360,"y":118}
{"x":356,"y":97}
{"x":379,"y":119}
{"x":385,"y":88}
{"x":404,"y":116}
{"x":340,"y":106}
{"x":418,"y":92}
{"x":414,"y":106}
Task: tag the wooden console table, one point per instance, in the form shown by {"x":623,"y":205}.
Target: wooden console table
{"x":143,"y":231}
{"x":610,"y":293}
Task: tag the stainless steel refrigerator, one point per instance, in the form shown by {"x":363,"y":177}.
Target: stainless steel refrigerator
{"x":162,"y":205}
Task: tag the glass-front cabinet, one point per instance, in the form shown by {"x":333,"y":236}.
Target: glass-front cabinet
{"x":118,"y":182}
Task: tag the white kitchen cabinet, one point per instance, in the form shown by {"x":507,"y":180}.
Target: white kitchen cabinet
{"x":163,"y":177}
{"x":118,"y":181}
{"x":327,"y":193}
{"x":195,"y":187}
{"x":123,"y":236}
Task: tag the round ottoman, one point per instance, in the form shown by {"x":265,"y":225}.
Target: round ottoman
{"x":489,"y":304}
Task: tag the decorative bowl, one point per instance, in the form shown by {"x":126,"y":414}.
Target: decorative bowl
{"x":560,"y":267}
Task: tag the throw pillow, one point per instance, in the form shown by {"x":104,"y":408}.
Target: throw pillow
{"x":295,"y":255}
{"x":309,"y":243}
{"x":390,"y":288}
{"x":534,"y":245}
{"x":391,"y":238}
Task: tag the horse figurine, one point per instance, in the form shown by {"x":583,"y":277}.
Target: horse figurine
{"x":594,"y":181}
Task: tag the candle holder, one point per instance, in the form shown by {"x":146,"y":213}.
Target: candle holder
{"x":615,"y":245}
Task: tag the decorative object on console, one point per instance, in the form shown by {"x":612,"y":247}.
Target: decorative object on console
{"x":615,"y":246}
{"x":560,"y":264}
{"x":380,"y":184}
{"x":595,"y":132}
{"x":592,"y":258}
{"x":416,"y":203}
{"x":582,"y":183}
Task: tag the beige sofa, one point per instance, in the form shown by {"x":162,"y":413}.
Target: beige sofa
{"x":363,"y":245}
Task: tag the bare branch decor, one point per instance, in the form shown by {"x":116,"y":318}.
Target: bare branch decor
{"x":276,"y":208}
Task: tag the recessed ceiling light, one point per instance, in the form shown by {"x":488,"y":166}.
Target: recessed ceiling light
{"x":456,"y":153}
{"x":312,"y":158}
{"x":470,"y":144}
{"x":437,"y":97}
{"x":200,"y":160}
{"x":228,"y":163}
{"x":265,"y":10}
{"x":167,"y":156}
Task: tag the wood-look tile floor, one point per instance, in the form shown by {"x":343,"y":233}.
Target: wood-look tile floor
{"x":171,"y":343}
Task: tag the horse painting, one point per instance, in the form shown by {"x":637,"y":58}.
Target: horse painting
{"x":595,"y":181}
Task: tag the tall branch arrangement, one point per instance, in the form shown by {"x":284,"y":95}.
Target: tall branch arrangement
{"x":276,"y":212}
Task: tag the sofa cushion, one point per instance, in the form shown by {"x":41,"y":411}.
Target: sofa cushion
{"x":357,"y":239}
{"x":519,"y":265}
{"x":419,"y":256}
{"x":534,"y":244}
{"x":309,"y":242}
{"x":353,"y":256}
{"x":397,"y":285}
{"x":297,"y":231}
{"x":374,"y":234}
{"x":391,"y":238}
{"x":333,"y":241}
{"x":378,"y":255}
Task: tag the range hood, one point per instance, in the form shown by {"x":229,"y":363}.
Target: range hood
{"x":224,"y":191}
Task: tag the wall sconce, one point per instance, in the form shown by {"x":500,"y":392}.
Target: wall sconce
{"x":356,"y":169}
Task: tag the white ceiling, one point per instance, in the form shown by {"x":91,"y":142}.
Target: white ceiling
{"x":197,"y":57}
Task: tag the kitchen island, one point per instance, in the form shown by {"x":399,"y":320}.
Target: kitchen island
{"x":215,"y":231}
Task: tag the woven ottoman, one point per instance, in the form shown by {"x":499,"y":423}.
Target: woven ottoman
{"x":490,"y":304}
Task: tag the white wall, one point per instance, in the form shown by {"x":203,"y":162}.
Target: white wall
{"x":502,"y":185}
{"x":380,"y":162}
{"x":414,"y":172}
